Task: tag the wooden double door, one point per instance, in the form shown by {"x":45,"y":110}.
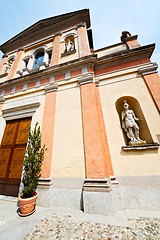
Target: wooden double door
{"x":12,"y":152}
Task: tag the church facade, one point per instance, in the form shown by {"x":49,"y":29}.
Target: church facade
{"x":98,"y":111}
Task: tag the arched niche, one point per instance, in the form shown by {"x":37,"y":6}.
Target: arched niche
{"x":135,"y":106}
{"x":69,"y":43}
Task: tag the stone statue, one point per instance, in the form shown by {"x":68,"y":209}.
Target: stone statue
{"x":130,"y":126}
{"x":125,"y":34}
{"x":69,"y":46}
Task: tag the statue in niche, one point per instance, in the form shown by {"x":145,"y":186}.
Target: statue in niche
{"x":130,"y":126}
{"x":69,"y":46}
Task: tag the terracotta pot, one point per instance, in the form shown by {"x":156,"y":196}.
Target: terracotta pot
{"x":27,"y":205}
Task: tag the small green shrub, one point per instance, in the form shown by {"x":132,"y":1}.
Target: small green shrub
{"x":34,"y":157}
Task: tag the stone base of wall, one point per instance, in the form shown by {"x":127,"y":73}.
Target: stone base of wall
{"x":135,"y":192}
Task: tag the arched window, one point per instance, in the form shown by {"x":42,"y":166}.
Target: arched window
{"x":38,"y":59}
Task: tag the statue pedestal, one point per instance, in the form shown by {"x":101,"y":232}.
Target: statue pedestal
{"x":139,"y":143}
{"x":141,"y":147}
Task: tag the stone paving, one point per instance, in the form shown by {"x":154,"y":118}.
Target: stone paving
{"x":64,"y":227}
{"x":2,"y":222}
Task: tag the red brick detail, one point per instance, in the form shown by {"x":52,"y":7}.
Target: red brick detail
{"x":83,"y":41}
{"x":76,"y":72}
{"x":48,"y":132}
{"x":90,"y":69}
{"x":32,"y":84}
{"x":19,"y":88}
{"x":121,"y":66}
{"x":60,"y":77}
{"x":44,"y":81}
{"x":97,"y":156}
{"x":56,"y":50}
{"x":8,"y":91}
{"x":15,"y":64}
{"x":133,"y":43}
{"x":153,"y":83}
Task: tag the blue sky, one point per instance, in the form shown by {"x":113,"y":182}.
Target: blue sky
{"x":108,"y":18}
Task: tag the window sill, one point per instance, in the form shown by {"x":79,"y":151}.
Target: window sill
{"x":68,"y":53}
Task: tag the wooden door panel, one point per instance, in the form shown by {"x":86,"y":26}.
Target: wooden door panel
{"x":23,"y":131}
{"x":17,"y":163}
{"x":9,"y":133}
{"x":12,"y":152}
{"x":4,"y":158}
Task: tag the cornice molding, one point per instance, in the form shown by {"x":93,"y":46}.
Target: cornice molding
{"x":4,"y":55}
{"x":85,"y":79}
{"x":45,"y":73}
{"x":2,"y":100}
{"x":149,"y":69}
{"x":125,"y":56}
{"x":20,"y":111}
{"x":51,"y":88}
{"x":97,"y":82}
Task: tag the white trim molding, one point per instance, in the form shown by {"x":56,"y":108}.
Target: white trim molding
{"x":20,"y":109}
{"x":51,"y":88}
{"x":148,"y":69}
{"x":2,"y":100}
{"x":85,"y":79}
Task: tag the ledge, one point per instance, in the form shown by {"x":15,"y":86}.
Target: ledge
{"x":85,"y":79}
{"x":149,"y":69}
{"x":2,"y":99}
{"x":68,"y":53}
{"x":51,"y":88}
{"x":142,"y":147}
{"x":3,"y":75}
{"x":97,"y":185}
{"x":44,"y":182}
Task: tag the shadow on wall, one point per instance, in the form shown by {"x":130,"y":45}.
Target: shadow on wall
{"x":135,"y":106}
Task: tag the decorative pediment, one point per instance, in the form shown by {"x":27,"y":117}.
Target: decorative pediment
{"x":45,"y":27}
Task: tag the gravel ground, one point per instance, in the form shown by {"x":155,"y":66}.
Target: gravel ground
{"x":64,"y":227}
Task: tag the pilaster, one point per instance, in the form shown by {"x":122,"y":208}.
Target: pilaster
{"x":97,"y":155}
{"x":83,"y":40}
{"x":152,"y":80}
{"x":15,"y":64}
{"x":56,"y":50}
{"x":48,"y":128}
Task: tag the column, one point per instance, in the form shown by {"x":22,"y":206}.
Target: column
{"x":152,"y":80}
{"x":30,"y":62}
{"x":44,"y":64}
{"x":56,"y":50}
{"x":48,"y":128}
{"x":15,"y":64}
{"x":97,"y":154}
{"x":83,"y":40}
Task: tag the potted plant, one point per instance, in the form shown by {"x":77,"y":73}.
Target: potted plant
{"x":32,"y":167}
